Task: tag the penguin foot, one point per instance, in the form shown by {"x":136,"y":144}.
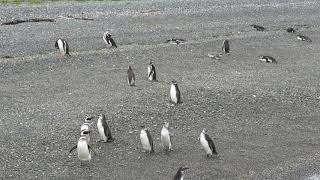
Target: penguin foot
{"x":110,"y":140}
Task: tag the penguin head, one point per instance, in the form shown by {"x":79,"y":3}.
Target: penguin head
{"x":226,"y":41}
{"x":85,"y":132}
{"x":174,"y":82}
{"x":88,"y":119}
{"x":166,"y":125}
{"x":181,"y":169}
{"x":204,"y":131}
{"x":107,"y":34}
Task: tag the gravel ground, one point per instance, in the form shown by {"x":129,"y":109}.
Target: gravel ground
{"x":263,"y":118}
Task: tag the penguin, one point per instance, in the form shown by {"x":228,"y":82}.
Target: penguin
{"x":267,"y":59}
{"x":63,"y":47}
{"x":291,"y":30}
{"x":176,"y":41}
{"x":109,"y":40}
{"x":226,"y":46}
{"x":258,"y":28}
{"x":146,"y":140}
{"x":179,"y":174}
{"x":303,"y":38}
{"x":131,"y":77}
{"x":152,"y":76}
{"x":207,"y":143}
{"x":83,"y":149}
{"x":165,"y":137}
{"x":175,"y":93}
{"x":104,"y":130}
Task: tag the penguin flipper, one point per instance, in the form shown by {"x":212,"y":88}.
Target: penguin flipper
{"x":90,"y":148}
{"x":73,"y":148}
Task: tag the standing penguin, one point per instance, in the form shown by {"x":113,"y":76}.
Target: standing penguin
{"x":226,"y":46}
{"x":104,"y":130}
{"x":108,"y":39}
{"x":207,"y":143}
{"x":83,"y":149}
{"x":165,"y":137}
{"x":152,"y":72}
{"x":179,"y":174}
{"x":146,"y":140}
{"x":131,"y":77}
{"x":175,"y":93}
{"x":63,"y":47}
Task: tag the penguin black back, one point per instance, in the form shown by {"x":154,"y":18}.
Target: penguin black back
{"x":258,"y":28}
{"x":106,"y":128}
{"x":226,"y":46}
{"x":150,"y":140}
{"x":131,"y":76}
{"x":211,"y":144}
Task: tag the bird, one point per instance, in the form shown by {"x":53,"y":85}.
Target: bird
{"x":166,"y":137}
{"x":226,"y":46}
{"x":83,"y":149}
{"x":175,"y":93}
{"x":291,"y":30}
{"x":131,"y":77}
{"x":207,"y":143}
{"x":63,"y":47}
{"x":258,"y":28}
{"x":146,"y":140}
{"x":267,"y":59}
{"x":86,"y":133}
{"x":152,"y":76}
{"x":104,"y":130}
{"x":303,"y":38}
{"x":86,"y":124}
{"x":179,"y":174}
{"x":109,"y":40}
{"x":176,"y":41}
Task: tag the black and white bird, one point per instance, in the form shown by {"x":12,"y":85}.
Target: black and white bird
{"x":175,"y":93}
{"x":166,"y":137}
{"x":146,"y":140}
{"x":291,"y":30}
{"x":207,"y":143}
{"x":83,"y":149}
{"x":179,"y":174}
{"x":62,"y":46}
{"x":104,"y":130}
{"x":226,"y":46}
{"x":267,"y":59}
{"x":109,"y":40}
{"x":176,"y":41}
{"x":258,"y":28}
{"x":152,"y":76}
{"x":303,"y":38}
{"x":130,"y":77}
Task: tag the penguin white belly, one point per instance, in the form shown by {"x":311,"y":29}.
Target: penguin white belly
{"x":101,"y":131}
{"x":165,"y":138}
{"x":173,"y":94}
{"x":84,"y":127}
{"x":60,"y":45}
{"x":145,"y":141}
{"x":205,"y":145}
{"x":149,"y":70}
{"x":83,"y":151}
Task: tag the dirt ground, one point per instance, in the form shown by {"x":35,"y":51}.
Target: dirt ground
{"x":262,"y":117}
